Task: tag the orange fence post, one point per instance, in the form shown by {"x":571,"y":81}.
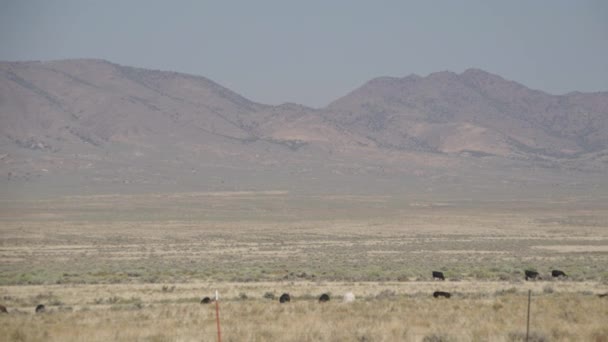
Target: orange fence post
{"x":217,"y":316}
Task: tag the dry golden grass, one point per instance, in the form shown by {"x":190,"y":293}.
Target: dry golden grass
{"x":557,"y":317}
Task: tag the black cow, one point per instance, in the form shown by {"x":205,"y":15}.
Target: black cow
{"x":438,"y":275}
{"x":531,"y":274}
{"x":206,"y":300}
{"x":558,"y":273}
{"x":3,"y":309}
{"x":438,"y":294}
{"x":324,"y":298}
{"x":40,"y":308}
{"x":284,"y":298}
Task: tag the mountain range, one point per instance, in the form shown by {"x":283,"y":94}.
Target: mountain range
{"x":91,"y":126}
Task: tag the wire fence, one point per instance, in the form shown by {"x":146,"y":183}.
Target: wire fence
{"x":425,"y":336}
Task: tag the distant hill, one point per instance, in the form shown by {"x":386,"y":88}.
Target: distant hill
{"x":91,"y":126}
{"x":474,"y":112}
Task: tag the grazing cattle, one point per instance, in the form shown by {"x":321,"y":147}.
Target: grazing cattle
{"x":531,"y":274}
{"x":438,"y":294}
{"x":206,"y":300}
{"x":40,"y":308}
{"x":602,"y":295}
{"x":349,"y":297}
{"x":558,"y":273}
{"x":285,"y":298}
{"x":3,"y":309}
{"x":438,"y":275}
{"x":324,"y":298}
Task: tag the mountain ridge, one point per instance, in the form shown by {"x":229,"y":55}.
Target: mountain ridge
{"x":479,"y":98}
{"x":107,"y":124}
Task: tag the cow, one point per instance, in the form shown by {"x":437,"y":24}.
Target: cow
{"x":558,"y":273}
{"x":531,"y":275}
{"x":602,"y":295}
{"x":284,"y":298}
{"x":324,"y":298}
{"x":40,"y":308}
{"x":438,"y":294}
{"x":438,"y":275}
{"x":3,"y":309}
{"x":206,"y":300}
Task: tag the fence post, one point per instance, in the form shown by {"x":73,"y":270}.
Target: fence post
{"x":528,"y":319}
{"x":217,"y":316}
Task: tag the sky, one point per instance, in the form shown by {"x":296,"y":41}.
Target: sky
{"x":312,"y":52}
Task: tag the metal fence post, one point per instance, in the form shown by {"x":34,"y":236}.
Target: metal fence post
{"x":528,"y":319}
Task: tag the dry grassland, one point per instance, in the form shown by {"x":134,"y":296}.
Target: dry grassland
{"x":133,"y":268}
{"x":562,"y":317}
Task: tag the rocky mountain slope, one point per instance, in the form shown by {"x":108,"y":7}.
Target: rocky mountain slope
{"x":475,"y":112}
{"x":95,"y":126}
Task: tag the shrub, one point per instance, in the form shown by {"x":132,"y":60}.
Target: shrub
{"x":18,"y":335}
{"x":437,"y":338}
{"x":511,"y":290}
{"x":112,"y":300}
{"x":386,"y":294}
{"x":166,"y":288}
{"x":521,"y":336}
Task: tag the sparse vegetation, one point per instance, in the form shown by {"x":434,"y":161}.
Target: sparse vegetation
{"x":401,"y":318}
{"x":106,"y":240}
{"x":105,"y":273}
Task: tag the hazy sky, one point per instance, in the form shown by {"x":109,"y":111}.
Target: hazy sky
{"x":312,"y":52}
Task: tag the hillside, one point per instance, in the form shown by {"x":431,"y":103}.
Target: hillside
{"x":475,"y":112}
{"x":91,"y":126}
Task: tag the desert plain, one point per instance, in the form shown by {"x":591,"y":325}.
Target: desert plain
{"x":135,"y":268}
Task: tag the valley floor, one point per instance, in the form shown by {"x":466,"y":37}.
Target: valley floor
{"x":134,"y":268}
